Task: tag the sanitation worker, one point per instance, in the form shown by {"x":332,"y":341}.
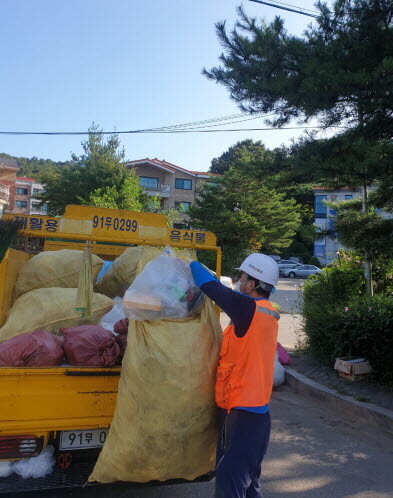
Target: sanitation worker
{"x":244,"y":379}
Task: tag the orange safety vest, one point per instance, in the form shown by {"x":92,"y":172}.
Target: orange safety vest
{"x":246,"y":365}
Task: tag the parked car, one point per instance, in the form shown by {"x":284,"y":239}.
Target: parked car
{"x":300,"y":271}
{"x":286,"y":263}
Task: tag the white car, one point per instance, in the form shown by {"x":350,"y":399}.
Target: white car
{"x":300,"y":271}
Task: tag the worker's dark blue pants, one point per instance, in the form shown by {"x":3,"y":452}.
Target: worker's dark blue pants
{"x":242,"y":443}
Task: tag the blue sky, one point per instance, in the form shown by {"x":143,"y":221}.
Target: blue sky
{"x":124,"y":64}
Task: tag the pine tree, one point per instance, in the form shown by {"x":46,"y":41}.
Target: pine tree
{"x":246,"y":215}
{"x":340,"y":71}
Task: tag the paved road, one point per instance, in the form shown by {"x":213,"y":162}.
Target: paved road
{"x":287,"y":294}
{"x":313,"y":453}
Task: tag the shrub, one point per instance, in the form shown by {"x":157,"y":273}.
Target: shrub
{"x":365,"y":329}
{"x":324,"y":295}
{"x":341,"y":321}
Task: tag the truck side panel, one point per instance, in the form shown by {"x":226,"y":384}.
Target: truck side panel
{"x":51,"y":399}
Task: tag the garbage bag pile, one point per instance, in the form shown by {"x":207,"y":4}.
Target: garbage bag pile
{"x":45,"y":297}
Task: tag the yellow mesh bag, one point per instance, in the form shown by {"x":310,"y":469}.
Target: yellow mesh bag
{"x":50,"y":310}
{"x":53,"y":269}
{"x":164,"y":425}
{"x":122,"y":273}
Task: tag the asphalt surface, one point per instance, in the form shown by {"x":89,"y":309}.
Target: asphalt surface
{"x":287,"y":294}
{"x":313,"y":453}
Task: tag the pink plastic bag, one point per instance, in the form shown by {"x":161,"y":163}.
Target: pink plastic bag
{"x":283,"y":355}
{"x":33,"y":349}
{"x":90,"y":346}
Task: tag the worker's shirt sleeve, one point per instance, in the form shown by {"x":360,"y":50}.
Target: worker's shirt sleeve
{"x":239,"y":307}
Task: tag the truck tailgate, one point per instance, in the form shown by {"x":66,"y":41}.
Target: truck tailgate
{"x":60,"y":398}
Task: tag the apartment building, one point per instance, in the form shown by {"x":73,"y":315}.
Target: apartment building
{"x":174,"y":186}
{"x":325,"y":249}
{"x":25,"y":199}
{"x":8,"y":171}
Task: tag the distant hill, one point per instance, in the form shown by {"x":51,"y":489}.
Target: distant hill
{"x":34,"y":167}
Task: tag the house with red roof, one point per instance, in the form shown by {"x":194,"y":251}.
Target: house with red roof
{"x":176,"y":187}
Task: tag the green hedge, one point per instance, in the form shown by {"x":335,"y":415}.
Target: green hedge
{"x":324,"y":295}
{"x":365,"y":329}
{"x":341,"y":321}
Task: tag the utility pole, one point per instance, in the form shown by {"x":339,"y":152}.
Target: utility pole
{"x":367,"y":262}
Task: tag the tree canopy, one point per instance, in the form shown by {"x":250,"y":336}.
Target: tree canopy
{"x":340,"y":67}
{"x":246,"y":215}
{"x":339,"y":72}
{"x":245,"y":151}
{"x":98,"y":175}
{"x":35,"y":167}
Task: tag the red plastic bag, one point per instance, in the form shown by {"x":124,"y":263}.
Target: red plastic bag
{"x":121,"y":327}
{"x":33,"y":349}
{"x":283,"y":355}
{"x":90,"y":346}
{"x":121,"y":340}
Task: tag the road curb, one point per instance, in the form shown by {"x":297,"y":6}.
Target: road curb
{"x":366,"y":412}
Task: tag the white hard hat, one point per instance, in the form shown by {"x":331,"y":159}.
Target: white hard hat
{"x":261,"y":267}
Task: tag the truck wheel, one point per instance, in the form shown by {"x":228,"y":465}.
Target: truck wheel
{"x":291,"y":274}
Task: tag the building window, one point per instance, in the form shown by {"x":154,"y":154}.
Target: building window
{"x":22,"y":191}
{"x":148,"y":182}
{"x":36,"y":191}
{"x":348,"y":197}
{"x":182,"y":184}
{"x":21,"y":204}
{"x":36,"y":206}
{"x":320,"y":208}
{"x":182,"y":206}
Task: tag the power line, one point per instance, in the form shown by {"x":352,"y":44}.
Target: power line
{"x":191,"y":130}
{"x":286,"y":8}
{"x":296,"y":7}
{"x":207,"y":121}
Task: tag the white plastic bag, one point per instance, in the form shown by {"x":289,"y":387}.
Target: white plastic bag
{"x":5,"y":468}
{"x":114,"y":315}
{"x":38,"y":466}
{"x":164,"y":289}
{"x":279,"y":372}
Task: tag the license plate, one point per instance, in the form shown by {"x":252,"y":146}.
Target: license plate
{"x":78,"y":440}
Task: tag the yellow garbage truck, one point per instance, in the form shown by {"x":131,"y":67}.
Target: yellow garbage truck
{"x":68,"y":407}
